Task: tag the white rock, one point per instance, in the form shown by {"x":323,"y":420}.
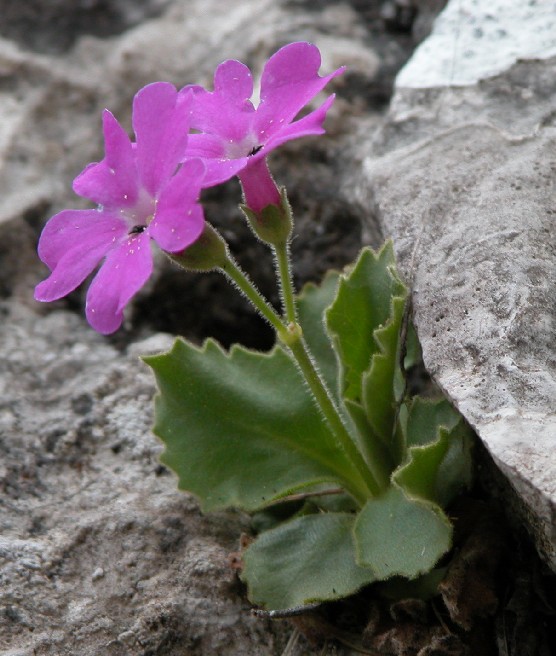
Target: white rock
{"x":465,"y":184}
{"x":474,"y":39}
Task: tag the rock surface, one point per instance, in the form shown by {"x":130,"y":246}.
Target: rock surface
{"x":98,"y":551}
{"x":473,"y":40}
{"x":464,"y":181}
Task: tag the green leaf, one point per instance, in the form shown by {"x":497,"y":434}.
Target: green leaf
{"x":303,"y":561}
{"x":312,"y":303}
{"x":383,"y":383}
{"x":397,"y":536}
{"x":362,"y":304}
{"x":364,"y":322}
{"x":425,"y":417}
{"x":375,"y":453}
{"x":241,"y":429}
{"x":439,"y":461}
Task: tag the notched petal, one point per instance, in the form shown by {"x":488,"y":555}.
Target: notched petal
{"x":296,"y":62}
{"x":71,"y":228}
{"x":161,"y":120}
{"x":309,"y":125}
{"x":289,"y":82}
{"x":112,"y":182}
{"x":124,"y":272}
{"x":233,"y":81}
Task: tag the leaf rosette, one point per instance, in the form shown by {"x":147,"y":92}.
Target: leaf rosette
{"x":242,"y":430}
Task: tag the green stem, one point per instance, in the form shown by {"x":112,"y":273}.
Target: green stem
{"x":291,"y":336}
{"x":304,"y":360}
{"x":281,"y":253}
{"x":236,"y":275}
{"x":328,"y":408}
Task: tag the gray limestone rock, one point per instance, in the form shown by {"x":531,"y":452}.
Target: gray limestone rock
{"x":463,"y":179}
{"x":98,"y":551}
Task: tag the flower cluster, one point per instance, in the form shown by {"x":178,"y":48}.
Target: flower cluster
{"x":148,"y":190}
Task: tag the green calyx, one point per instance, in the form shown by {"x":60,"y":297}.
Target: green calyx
{"x":209,"y":252}
{"x":273,"y":224}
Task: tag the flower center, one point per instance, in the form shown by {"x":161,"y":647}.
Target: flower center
{"x":137,"y":230}
{"x":141,"y":214}
{"x":247,"y":147}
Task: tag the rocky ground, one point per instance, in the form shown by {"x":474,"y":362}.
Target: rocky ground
{"x":99,"y":554}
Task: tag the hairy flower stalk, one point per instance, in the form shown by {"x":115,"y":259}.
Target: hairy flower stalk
{"x":290,"y":334}
{"x":235,"y":138}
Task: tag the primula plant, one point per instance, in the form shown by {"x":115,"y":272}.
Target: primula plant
{"x":347,"y":475}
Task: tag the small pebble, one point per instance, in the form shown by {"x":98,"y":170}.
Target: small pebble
{"x":126,"y":636}
{"x":97,"y":574}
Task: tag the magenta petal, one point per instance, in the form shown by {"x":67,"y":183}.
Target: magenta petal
{"x":71,"y":228}
{"x":233,"y":82}
{"x":211,"y":150}
{"x":213,"y":115}
{"x":259,"y":188}
{"x":161,"y":119}
{"x":295,"y":63}
{"x":70,"y":273}
{"x":218,"y":171}
{"x":227,"y":111}
{"x":290,"y":80}
{"x":306,"y":126}
{"x":113,"y":182}
{"x":191,"y":175}
{"x":179,"y":219}
{"x":175,"y":230}
{"x":190,"y":87}
{"x":124,"y":272}
{"x":72,"y":243}
{"x":205,"y":146}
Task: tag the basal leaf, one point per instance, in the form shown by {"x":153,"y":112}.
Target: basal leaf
{"x":362,"y":304}
{"x":312,"y":305}
{"x":302,"y":561}
{"x":241,"y":429}
{"x":383,"y":383}
{"x":438,"y":464}
{"x":397,"y":536}
{"x":377,"y":457}
{"x":364,"y":322}
{"x":418,"y":476}
{"x":425,"y":416}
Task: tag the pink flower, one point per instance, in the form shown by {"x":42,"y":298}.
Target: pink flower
{"x":236,"y":137}
{"x":140,"y":197}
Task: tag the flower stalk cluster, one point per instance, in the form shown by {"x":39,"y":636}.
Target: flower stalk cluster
{"x":149,"y":190}
{"x":327,"y":409}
